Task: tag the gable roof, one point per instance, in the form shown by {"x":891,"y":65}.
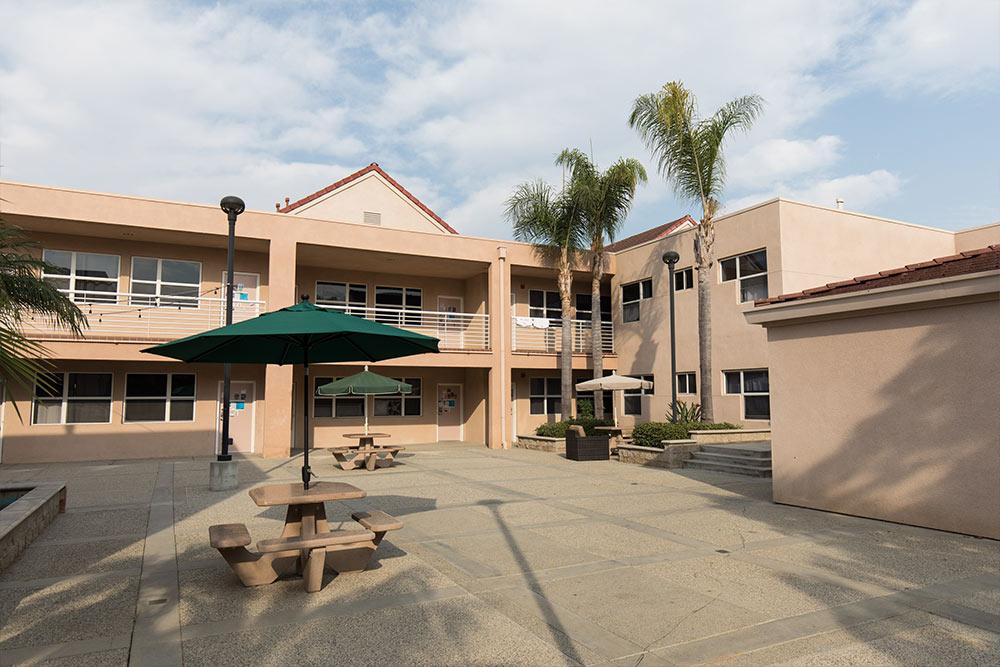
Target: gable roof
{"x":969,"y":261}
{"x":355,"y":176}
{"x":650,"y":234}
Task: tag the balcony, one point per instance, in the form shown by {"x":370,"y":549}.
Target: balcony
{"x":456,"y":331}
{"x":539,"y":334}
{"x":142,"y":318}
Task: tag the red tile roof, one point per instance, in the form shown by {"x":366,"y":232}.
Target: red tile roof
{"x":649,"y":234}
{"x":358,"y":174}
{"x":969,"y":261}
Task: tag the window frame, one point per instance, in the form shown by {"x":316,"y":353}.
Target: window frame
{"x":638,"y":393}
{"x":347,"y":306}
{"x":686,"y":278}
{"x":168,"y":400}
{"x":405,"y":315}
{"x":690,"y":378}
{"x":403,"y":398}
{"x":643,"y":296}
{"x":334,"y":399}
{"x":740,"y":278}
{"x":586,"y":313}
{"x":72,"y":276}
{"x":158,"y":299}
{"x":744,"y":394}
{"x":546,"y":397}
{"x":546,"y":310}
{"x":65,"y":398}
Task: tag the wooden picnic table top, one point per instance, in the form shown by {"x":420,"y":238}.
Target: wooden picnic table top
{"x":293,"y":494}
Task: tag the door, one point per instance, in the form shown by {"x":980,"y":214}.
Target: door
{"x":513,"y":410}
{"x":450,"y":326}
{"x":449,"y":412}
{"x":241,"y":415}
{"x":246,"y":293}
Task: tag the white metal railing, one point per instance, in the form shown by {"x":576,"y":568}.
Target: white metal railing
{"x":456,"y":331}
{"x":124,"y":316}
{"x":539,"y":334}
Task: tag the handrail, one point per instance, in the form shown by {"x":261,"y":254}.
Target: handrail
{"x":540,"y":334}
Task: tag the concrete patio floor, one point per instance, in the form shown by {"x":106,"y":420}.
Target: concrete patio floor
{"x":506,"y":558}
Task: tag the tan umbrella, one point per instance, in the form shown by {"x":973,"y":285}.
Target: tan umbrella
{"x":613,"y":382}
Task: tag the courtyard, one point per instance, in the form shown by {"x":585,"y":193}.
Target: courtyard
{"x":505,"y":558}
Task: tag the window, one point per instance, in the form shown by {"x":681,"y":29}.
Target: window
{"x":165,"y":278}
{"x":400,"y":405}
{"x":632,"y":294}
{"x":683,"y":279}
{"x":686,"y":383}
{"x":583,"y":309}
{"x":159,"y":397}
{"x":586,"y":398}
{"x":398,"y":305}
{"x":545,"y":396}
{"x":336,"y":406}
{"x":754,"y":387}
{"x":349,"y":297}
{"x":544,"y":304}
{"x":633,"y":397}
{"x":85,"y":276}
{"x":73,"y":398}
{"x":751,"y":271}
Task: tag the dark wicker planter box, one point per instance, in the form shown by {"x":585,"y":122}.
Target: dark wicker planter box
{"x":589,"y":448}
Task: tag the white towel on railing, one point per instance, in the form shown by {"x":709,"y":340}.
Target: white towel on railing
{"x":522,"y":321}
{"x":540,"y":322}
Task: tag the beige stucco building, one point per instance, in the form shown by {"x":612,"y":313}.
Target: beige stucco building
{"x":146,"y":271}
{"x":886,"y":394}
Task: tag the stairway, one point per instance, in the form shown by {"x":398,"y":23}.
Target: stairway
{"x":744,"y":458}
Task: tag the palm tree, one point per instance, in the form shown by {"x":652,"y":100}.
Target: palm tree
{"x":551,"y":222}
{"x":688,"y":151}
{"x":603,"y":199}
{"x":23,"y":292}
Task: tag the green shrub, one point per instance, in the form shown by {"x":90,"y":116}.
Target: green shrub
{"x":558,"y":429}
{"x":652,"y":434}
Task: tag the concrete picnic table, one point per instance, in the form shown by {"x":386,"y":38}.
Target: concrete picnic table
{"x":366,"y":439}
{"x":615,"y":433}
{"x":366,"y":452}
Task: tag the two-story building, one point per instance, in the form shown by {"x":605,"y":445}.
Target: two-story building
{"x":146,"y":271}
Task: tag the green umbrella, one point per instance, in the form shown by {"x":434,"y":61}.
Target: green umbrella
{"x":299,"y":334}
{"x":364,"y":383}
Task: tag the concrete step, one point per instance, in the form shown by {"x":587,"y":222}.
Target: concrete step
{"x":734,"y":458}
{"x":732,"y":468}
{"x":754,"y":449}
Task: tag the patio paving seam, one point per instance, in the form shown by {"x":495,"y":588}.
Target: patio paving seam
{"x":33,"y":654}
{"x":156,"y":636}
{"x":44,"y":582}
{"x":89,"y":539}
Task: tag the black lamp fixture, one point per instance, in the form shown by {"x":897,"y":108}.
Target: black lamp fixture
{"x":670,"y":258}
{"x":232,"y":206}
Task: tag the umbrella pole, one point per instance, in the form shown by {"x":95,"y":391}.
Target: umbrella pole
{"x":306,"y":472}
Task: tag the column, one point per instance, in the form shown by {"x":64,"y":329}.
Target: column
{"x":278,"y":403}
{"x":499,"y":413}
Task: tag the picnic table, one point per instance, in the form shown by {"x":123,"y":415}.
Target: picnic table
{"x":307,"y":545}
{"x":615,"y":433}
{"x":366,"y":439}
{"x":368,"y":457}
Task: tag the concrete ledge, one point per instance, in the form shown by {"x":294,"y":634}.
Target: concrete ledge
{"x":541,"y":443}
{"x":716,"y":436}
{"x":25,"y":519}
{"x":673,"y":454}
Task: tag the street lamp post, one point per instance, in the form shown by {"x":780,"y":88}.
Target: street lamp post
{"x":670,"y":258}
{"x":222,"y":473}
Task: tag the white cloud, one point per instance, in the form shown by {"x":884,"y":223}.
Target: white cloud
{"x":859,"y":191}
{"x":778,"y":159}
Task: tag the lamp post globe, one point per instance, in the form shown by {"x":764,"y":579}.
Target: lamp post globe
{"x":670,"y":258}
{"x":232,"y":205}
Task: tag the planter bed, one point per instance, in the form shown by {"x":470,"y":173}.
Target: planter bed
{"x":35,"y":507}
{"x":541,"y":443}
{"x":671,"y":455}
{"x":717,"y":436}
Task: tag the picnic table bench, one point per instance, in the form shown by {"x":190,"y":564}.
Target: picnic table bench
{"x":370,"y":458}
{"x":306,"y":546}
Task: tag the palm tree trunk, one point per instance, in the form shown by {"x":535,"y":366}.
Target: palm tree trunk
{"x":596,"y":333}
{"x":705,"y":257}
{"x":566,"y":353}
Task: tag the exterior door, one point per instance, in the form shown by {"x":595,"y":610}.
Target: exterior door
{"x":449,"y":412}
{"x":246,"y":292}
{"x":450,"y":329}
{"x":241,"y":415}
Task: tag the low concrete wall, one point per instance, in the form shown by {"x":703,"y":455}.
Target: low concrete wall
{"x":722,"y":436}
{"x":673,"y":454}
{"x":26,"y":518}
{"x":541,"y":443}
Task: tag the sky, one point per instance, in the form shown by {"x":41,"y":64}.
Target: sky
{"x":890,"y":106}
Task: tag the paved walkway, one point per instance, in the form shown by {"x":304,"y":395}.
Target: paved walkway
{"x":506,"y":558}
